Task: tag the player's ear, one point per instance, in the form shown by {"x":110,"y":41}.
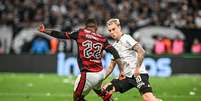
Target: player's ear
{"x":119,"y":27}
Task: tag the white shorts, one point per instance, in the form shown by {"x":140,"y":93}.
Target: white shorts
{"x":86,"y":81}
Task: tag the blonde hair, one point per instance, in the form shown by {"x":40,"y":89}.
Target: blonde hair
{"x":113,"y":20}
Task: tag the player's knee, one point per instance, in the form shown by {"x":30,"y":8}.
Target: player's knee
{"x":149,"y":97}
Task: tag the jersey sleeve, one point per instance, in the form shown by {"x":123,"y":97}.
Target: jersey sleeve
{"x":130,"y":41}
{"x":113,"y":51}
{"x":58,"y":34}
{"x":65,"y":35}
{"x":72,"y":35}
{"x":107,"y":44}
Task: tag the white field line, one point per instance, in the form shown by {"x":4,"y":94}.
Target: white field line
{"x":69,"y":95}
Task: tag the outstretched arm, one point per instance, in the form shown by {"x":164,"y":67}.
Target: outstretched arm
{"x":52,"y":32}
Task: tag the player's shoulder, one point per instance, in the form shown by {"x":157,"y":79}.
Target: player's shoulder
{"x":100,"y":35}
{"x":101,"y":38}
{"x":84,"y":30}
{"x":93,"y":35}
{"x":90,"y":32}
{"x":127,"y":37}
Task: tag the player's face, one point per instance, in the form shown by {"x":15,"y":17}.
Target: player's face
{"x":115,"y":31}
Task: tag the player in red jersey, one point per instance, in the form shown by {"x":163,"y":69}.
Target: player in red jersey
{"x":90,"y":50}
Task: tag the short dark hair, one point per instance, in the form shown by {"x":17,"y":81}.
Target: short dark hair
{"x":91,"y":22}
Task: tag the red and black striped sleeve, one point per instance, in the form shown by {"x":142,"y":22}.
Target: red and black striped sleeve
{"x":72,"y":35}
{"x":65,"y":35}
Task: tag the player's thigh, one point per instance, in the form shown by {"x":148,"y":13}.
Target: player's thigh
{"x":142,"y":83}
{"x":77,"y":82}
{"x":122,"y":85}
{"x":93,"y":80}
{"x":86,"y":88}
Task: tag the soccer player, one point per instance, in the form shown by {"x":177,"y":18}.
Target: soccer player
{"x":132,"y":54}
{"x":90,"y":50}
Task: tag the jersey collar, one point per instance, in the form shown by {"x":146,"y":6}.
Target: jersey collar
{"x":120,"y":38}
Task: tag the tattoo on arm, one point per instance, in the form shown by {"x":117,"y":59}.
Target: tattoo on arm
{"x":140,"y":54}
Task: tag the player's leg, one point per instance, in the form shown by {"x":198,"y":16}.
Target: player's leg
{"x":97,"y":89}
{"x":117,"y":85}
{"x":144,"y":87}
{"x":96,"y":80}
{"x":102,"y":93}
{"x":150,"y":97}
{"x":80,"y":85}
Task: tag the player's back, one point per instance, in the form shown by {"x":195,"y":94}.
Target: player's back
{"x":90,"y":48}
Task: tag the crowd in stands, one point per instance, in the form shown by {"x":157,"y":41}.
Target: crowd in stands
{"x":20,"y":18}
{"x":164,"y":45}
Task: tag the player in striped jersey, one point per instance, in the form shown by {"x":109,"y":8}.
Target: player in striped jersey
{"x":90,"y":50}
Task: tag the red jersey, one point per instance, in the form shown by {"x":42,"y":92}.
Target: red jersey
{"x":90,"y":49}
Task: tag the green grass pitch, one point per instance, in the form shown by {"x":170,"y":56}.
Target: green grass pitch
{"x":50,"y":87}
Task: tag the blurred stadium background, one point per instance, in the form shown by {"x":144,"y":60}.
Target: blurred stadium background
{"x":36,"y":67}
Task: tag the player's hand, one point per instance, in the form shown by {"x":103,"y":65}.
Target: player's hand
{"x":122,"y":76}
{"x":137,"y":71}
{"x":42,"y":28}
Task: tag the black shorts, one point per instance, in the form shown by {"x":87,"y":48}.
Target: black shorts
{"x":141,"y":82}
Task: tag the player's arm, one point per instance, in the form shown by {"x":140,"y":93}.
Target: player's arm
{"x":57,"y":34}
{"x":117,"y":60}
{"x":140,"y":56}
{"x":110,"y":68}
